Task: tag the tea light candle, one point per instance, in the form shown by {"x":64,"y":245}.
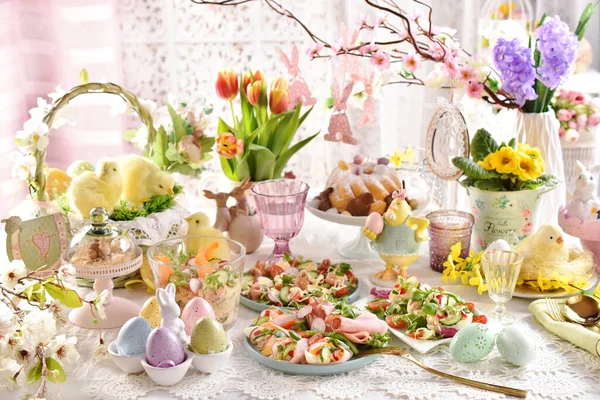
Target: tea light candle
{"x":446,"y":228}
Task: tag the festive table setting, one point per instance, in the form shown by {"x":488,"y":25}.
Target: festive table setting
{"x":137,"y":277}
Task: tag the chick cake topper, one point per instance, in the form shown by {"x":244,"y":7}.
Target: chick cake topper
{"x":397,"y":237}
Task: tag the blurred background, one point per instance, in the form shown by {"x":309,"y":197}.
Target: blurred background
{"x":154,"y":48}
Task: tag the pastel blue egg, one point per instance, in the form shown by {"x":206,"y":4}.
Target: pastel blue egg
{"x":515,"y":346}
{"x":132,"y":337}
{"x":472,"y":343}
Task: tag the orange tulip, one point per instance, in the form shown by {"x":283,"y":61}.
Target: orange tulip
{"x":253,"y":92}
{"x":227,"y":84}
{"x":228,"y":145}
{"x":258,"y":76}
{"x":279,"y":96}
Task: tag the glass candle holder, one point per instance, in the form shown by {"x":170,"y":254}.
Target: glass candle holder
{"x":446,"y":228}
{"x":501,"y":270}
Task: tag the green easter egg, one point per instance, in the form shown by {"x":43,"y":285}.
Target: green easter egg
{"x":208,"y":336}
{"x":472,"y":343}
{"x":79,"y":166}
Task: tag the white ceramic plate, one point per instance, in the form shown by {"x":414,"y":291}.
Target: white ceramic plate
{"x":529,"y":293}
{"x":337,"y":218}
{"x":422,"y":346}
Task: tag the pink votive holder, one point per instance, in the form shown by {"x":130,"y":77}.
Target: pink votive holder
{"x":446,"y":228}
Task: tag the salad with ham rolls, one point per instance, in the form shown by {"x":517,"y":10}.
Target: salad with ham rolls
{"x":422,"y":311}
{"x":318,"y":333}
{"x":292,"y":282}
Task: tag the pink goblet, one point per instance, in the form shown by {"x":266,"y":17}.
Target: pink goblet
{"x":280,"y":205}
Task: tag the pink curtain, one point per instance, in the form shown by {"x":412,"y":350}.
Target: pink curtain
{"x":44,"y":43}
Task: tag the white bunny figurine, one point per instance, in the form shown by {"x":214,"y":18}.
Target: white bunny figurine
{"x":169,"y":310}
{"x":584,"y":204}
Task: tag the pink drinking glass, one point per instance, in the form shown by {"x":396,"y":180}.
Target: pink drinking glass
{"x":280,"y":205}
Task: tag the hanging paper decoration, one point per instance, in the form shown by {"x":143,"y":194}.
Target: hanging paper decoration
{"x":339,"y":126}
{"x":299,"y":91}
{"x":348,"y":63}
{"x":368,"y":114}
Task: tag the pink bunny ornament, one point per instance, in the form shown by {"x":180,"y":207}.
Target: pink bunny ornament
{"x":299,"y":91}
{"x":348,"y":64}
{"x":368,"y":115}
{"x":339,"y":126}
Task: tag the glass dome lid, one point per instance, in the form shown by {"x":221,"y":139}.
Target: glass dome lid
{"x":100,"y":243}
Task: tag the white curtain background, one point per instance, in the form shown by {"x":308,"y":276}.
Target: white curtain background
{"x":157,"y":47}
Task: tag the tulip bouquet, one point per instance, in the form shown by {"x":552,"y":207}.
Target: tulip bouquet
{"x":258,"y":143}
{"x":575,"y":113}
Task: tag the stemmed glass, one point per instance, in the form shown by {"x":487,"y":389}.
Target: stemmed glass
{"x":501,"y":269}
{"x":280,"y":204}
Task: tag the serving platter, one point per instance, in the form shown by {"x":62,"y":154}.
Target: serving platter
{"x":256,"y":306}
{"x":308,"y":369}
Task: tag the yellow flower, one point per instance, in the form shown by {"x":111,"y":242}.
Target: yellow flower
{"x":597,"y":290}
{"x":478,"y":281}
{"x":528,"y":169}
{"x":533,"y":153}
{"x":487,"y":163}
{"x":455,"y":250}
{"x":505,"y":160}
{"x":396,"y":158}
{"x":464,"y":278}
{"x":409,"y":154}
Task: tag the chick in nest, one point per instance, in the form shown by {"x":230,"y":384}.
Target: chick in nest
{"x":143,"y":179}
{"x":101,"y":188}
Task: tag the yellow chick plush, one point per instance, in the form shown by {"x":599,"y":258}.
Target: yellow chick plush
{"x":143,"y":179}
{"x":543,"y":250}
{"x":199,"y":225}
{"x":101,"y":188}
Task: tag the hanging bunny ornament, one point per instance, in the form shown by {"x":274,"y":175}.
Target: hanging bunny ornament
{"x":299,"y":91}
{"x":339,"y":126}
{"x":169,"y":310}
{"x":348,"y":64}
{"x":368,"y":114}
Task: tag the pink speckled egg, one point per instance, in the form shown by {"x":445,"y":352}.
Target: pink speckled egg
{"x":164,"y":349}
{"x":194,"y":310}
{"x":374,"y":223}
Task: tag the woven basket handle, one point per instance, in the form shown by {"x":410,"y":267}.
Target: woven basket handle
{"x":94,"y":87}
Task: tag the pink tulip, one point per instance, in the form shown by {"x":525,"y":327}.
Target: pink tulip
{"x":594,"y":119}
{"x":582,"y":120}
{"x":564,"y":115}
{"x":576,"y":97}
{"x":573,"y":125}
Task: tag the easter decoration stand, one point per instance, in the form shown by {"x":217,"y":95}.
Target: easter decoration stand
{"x":396,"y":237}
{"x":92,"y":240}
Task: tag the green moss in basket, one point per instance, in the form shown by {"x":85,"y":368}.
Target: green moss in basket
{"x":157,"y":203}
{"x":63,"y":202}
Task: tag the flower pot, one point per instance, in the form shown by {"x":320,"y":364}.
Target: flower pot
{"x":511,"y":216}
{"x":541,"y":130}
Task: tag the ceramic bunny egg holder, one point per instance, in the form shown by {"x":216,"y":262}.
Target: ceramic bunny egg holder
{"x":164,"y":352}
{"x":581,"y":216}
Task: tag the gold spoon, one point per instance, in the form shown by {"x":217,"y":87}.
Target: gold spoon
{"x":583,"y":310}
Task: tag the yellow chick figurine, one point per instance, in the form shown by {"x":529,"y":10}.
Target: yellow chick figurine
{"x":543,"y":249}
{"x":199,"y":225}
{"x":143,"y":179}
{"x":101,"y":188}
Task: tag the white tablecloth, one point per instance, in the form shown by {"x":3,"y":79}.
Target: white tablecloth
{"x":560,"y":370}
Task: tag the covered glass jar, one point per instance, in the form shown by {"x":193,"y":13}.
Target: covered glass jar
{"x":100,"y":243}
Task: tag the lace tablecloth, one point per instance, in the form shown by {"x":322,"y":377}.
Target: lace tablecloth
{"x":560,"y":370}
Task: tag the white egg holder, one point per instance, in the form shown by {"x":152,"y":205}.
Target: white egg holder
{"x":204,"y":363}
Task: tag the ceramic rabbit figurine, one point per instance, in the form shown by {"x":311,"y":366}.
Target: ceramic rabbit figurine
{"x":239,"y":194}
{"x":169,"y":310}
{"x":223,"y":215}
{"x":299,"y":91}
{"x":339,"y":126}
{"x":585,"y":204}
{"x":368,"y":114}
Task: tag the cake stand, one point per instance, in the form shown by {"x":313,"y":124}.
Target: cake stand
{"x":356,"y":249}
{"x":118,"y":310}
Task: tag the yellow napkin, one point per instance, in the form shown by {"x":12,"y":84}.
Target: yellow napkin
{"x":581,"y":336}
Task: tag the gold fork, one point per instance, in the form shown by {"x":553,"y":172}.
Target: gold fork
{"x":397,"y":351}
{"x":554,"y":310}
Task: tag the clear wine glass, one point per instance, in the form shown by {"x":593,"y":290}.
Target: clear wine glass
{"x":280,"y":205}
{"x":501,"y":269}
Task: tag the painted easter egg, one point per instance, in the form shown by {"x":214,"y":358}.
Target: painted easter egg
{"x":499,"y":244}
{"x":374,"y":223}
{"x":164,"y":349}
{"x":132,"y":337}
{"x":57,"y":182}
{"x":195,"y":309}
{"x":151,"y":312}
{"x":79,"y":166}
{"x":208,"y":336}
{"x":472,"y":343}
{"x":515,"y":346}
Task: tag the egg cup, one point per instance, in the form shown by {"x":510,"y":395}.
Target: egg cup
{"x":209,"y":363}
{"x":130,"y":364}
{"x":168,"y":376}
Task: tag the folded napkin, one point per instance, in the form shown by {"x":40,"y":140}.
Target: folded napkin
{"x":587,"y":338}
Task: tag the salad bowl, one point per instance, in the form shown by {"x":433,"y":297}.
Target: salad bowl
{"x":201,"y":266}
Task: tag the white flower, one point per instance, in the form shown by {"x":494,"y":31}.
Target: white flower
{"x":100,"y":353}
{"x":100,"y":303}
{"x":140,"y":139}
{"x":23,"y":165}
{"x":59,"y":92}
{"x":32,"y":137}
{"x":11,"y":273}
{"x":38,"y":327}
{"x":63,"y":349}
{"x":8,"y":369}
{"x":66,"y":273}
{"x":437,"y":77}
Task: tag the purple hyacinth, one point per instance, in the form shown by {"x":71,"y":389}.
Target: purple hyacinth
{"x":558,"y":50}
{"x":515,"y":65}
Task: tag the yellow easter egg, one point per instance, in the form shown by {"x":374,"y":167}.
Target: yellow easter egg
{"x":146,"y":273}
{"x":151,"y":312}
{"x":57,"y":182}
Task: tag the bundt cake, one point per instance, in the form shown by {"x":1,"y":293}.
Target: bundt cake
{"x":350,"y":182}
